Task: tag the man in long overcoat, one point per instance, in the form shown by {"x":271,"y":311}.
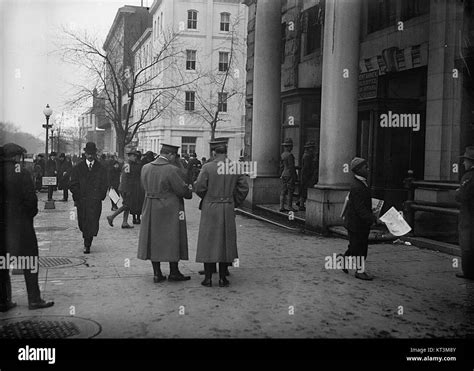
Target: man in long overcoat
{"x":89,"y":188}
{"x":307,"y":173}
{"x":287,"y":176}
{"x":465,"y":196}
{"x":359,"y":216}
{"x":220,"y":193}
{"x":18,"y":205}
{"x":64,"y":167}
{"x":163,"y":236}
{"x":130,"y":190}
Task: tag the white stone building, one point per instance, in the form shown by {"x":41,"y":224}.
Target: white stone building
{"x":210,"y":37}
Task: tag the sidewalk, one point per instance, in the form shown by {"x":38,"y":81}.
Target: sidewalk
{"x":280,"y":289}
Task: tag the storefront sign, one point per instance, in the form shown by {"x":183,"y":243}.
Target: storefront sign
{"x":368,"y":83}
{"x":49,"y":180}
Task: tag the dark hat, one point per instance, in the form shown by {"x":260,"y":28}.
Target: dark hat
{"x":469,"y":154}
{"x":309,"y":144}
{"x":12,"y":149}
{"x":169,"y":148}
{"x":218,"y":143}
{"x":53,"y":154}
{"x":132,"y":152}
{"x":287,"y":142}
{"x":357,"y":163}
{"x":90,"y":148}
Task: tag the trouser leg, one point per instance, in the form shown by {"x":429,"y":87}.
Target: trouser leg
{"x":50,"y":193}
{"x":5,"y":286}
{"x":467,"y":263}
{"x":65,"y":193}
{"x":223,"y":267}
{"x":156,"y":268}
{"x":32,"y":286}
{"x":209,"y":269}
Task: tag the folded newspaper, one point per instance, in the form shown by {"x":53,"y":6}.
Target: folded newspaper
{"x":114,"y":196}
{"x":395,"y":222}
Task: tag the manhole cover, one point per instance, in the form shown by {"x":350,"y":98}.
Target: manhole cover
{"x":50,"y":228}
{"x":59,"y":262}
{"x":48,"y":327}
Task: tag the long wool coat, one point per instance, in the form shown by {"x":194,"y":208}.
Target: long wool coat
{"x":89,"y":189}
{"x":359,"y":215}
{"x":18,"y":207}
{"x":64,"y":166}
{"x":220,"y":193}
{"x":465,"y":196}
{"x":163,"y":236}
{"x":130,"y":187}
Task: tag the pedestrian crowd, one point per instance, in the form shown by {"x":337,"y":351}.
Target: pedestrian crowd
{"x":152,"y":189}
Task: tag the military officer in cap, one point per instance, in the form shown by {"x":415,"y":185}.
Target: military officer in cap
{"x":18,"y":207}
{"x":288,"y":175}
{"x":163,"y":235}
{"x":465,"y":196}
{"x":307,"y":173}
{"x":220,"y":193}
{"x":88,"y":186}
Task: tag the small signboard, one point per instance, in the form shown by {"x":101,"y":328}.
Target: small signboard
{"x":368,"y":83}
{"x":49,"y":180}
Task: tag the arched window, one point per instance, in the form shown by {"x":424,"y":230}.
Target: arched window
{"x":192,"y":19}
{"x":225,"y":22}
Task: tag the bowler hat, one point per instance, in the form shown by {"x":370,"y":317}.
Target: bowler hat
{"x":53,"y":154}
{"x":357,"y":163}
{"x":169,"y":148}
{"x":309,"y":144}
{"x":287,"y":142}
{"x":90,"y":148}
{"x":469,"y":154}
{"x":12,"y":149}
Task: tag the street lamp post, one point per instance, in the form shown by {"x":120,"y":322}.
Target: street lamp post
{"x":47,"y":113}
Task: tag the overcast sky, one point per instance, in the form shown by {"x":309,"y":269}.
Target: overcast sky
{"x":32,"y":77}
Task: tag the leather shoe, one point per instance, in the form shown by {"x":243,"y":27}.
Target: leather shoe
{"x":110,"y":220}
{"x":346,"y":271}
{"x":178,"y":277}
{"x":41,"y":304}
{"x":224,"y":282}
{"x":363,"y":276}
{"x":7,"y":306}
{"x":157,"y":279}
{"x":207,"y":282}
{"x":127,"y":226}
{"x":87,"y":250}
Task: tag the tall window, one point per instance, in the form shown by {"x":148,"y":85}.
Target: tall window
{"x":225,"y":21}
{"x":283,"y":42}
{"x":190,"y":59}
{"x":188,"y":145}
{"x":381,"y":14}
{"x":414,"y":8}
{"x":192,"y":19}
{"x":222,"y":102}
{"x":189,"y":102}
{"x":312,"y":29}
{"x":223,"y":61}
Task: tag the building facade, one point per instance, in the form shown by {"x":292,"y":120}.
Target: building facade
{"x":205,"y":81}
{"x":387,"y":80}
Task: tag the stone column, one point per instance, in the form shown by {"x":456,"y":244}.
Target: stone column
{"x":338,"y":112}
{"x":266,"y":124}
{"x":443,"y":106}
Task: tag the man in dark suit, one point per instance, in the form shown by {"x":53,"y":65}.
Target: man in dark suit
{"x":18,"y":207}
{"x":89,"y":188}
{"x":51,"y":171}
{"x":359,"y":216}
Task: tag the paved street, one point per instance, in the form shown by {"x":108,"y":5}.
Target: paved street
{"x":280,"y":289}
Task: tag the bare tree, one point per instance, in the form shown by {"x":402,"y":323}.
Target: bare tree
{"x":121,"y":85}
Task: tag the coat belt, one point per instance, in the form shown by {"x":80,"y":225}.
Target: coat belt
{"x":156,"y":195}
{"x":221,"y":200}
